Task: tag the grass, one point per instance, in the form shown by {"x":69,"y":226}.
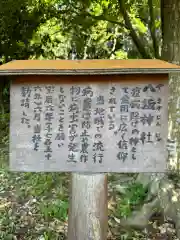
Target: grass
{"x":134,"y":197}
{"x":34,"y":206}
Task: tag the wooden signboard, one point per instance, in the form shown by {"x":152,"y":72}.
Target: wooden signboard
{"x":88,"y":116}
{"x":105,"y":116}
{"x":96,"y":116}
{"x":104,"y":126}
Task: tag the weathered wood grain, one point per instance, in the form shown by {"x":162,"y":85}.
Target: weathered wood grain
{"x":88,"y":217}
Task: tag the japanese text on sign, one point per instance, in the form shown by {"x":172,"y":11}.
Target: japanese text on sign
{"x":91,"y":128}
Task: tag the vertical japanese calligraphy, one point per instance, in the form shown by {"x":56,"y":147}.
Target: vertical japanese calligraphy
{"x":114,"y":127}
{"x":112,"y":108}
{"x":87,"y":94}
{"x":37,"y":117}
{"x":73,"y":109}
{"x":60,"y":136}
{"x":25,"y":104}
{"x":151,"y":107}
{"x":49,"y":116}
{"x":134,"y":120}
{"x":99,"y":117}
{"x":122,"y":154}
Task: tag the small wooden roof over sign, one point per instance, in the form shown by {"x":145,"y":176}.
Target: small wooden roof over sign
{"x":87,"y":67}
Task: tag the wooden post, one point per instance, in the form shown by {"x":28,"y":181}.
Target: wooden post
{"x":77,"y":88}
{"x":88,"y":215}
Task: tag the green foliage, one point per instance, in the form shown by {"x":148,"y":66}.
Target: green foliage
{"x":93,"y":29}
{"x":134,"y":196}
{"x":83,"y":18}
{"x":50,"y":42}
{"x":48,"y":235}
{"x":54,"y":209}
{"x":4,"y":129}
{"x":32,"y":206}
{"x":19,"y":20}
{"x":64,"y":29}
{"x":57,"y":29}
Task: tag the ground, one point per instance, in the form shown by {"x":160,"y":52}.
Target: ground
{"x":35,"y":207}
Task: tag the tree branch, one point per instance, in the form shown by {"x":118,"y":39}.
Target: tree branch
{"x":152,"y":29}
{"x":127,"y":24}
{"x":137,"y":41}
{"x":162,"y":18}
{"x":113,"y":50}
{"x":86,"y":47}
{"x":103,"y":18}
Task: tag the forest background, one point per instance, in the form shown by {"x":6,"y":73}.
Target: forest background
{"x":141,"y":206}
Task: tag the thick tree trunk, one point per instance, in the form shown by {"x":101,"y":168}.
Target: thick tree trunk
{"x":170,"y":12}
{"x":165,"y":197}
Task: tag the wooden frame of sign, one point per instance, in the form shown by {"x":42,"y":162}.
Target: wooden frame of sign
{"x":89,"y":116}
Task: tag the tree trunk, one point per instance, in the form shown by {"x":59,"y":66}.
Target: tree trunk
{"x":165,"y":197}
{"x":170,"y":12}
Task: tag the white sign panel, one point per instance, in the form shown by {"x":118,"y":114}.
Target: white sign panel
{"x":105,"y":127}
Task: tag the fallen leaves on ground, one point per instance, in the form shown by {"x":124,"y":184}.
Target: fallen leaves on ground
{"x":35,"y":207}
